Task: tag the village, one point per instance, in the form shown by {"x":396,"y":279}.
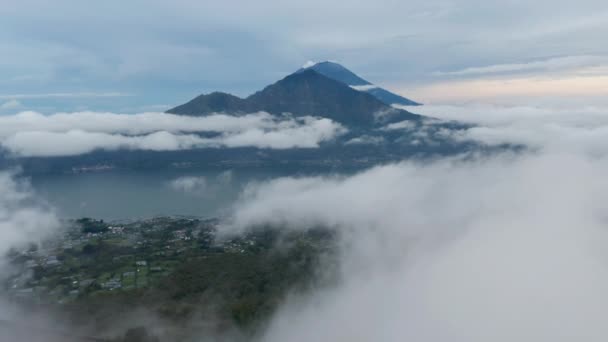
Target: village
{"x":94,"y":257}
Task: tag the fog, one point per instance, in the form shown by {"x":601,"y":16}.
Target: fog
{"x":23,"y":217}
{"x":24,"y":220}
{"x":510,"y":247}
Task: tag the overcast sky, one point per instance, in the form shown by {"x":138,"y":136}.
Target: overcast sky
{"x":147,"y":55}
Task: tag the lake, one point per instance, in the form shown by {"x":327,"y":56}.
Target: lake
{"x":130,"y":194}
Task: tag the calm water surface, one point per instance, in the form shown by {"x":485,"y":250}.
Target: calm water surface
{"x":128,"y":194}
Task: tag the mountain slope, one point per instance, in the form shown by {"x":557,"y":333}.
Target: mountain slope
{"x":310,"y":93}
{"x":216,"y":102}
{"x":391,"y":98}
{"x":339,"y":73}
{"x":303,"y":93}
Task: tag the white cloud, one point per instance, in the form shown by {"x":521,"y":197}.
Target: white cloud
{"x":366,"y":140}
{"x":493,"y":249}
{"x":509,"y":247}
{"x":287,"y":135}
{"x":364,"y":87}
{"x":78,"y":133}
{"x":560,"y":127}
{"x":206,"y":186}
{"x":558,"y":63}
{"x":131,"y":123}
{"x":189,"y":184}
{"x":10,"y":104}
{"x":405,"y":125}
{"x":23,"y":217}
{"x":24,"y":220}
{"x":28,"y":144}
{"x":308,"y":64}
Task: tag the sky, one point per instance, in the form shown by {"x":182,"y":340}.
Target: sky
{"x":140,"y":56}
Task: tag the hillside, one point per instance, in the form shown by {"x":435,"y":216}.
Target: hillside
{"x":339,"y":73}
{"x":304,"y":93}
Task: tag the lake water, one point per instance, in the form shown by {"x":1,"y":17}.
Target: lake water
{"x":127,"y":194}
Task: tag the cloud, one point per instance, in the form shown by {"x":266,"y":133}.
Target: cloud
{"x":131,"y":123}
{"x":203,"y":186}
{"x":27,"y":144}
{"x":485,"y":249}
{"x":504,"y":247}
{"x":558,"y":63}
{"x":406,"y":125}
{"x":189,"y":184}
{"x":366,"y":140}
{"x":10,"y":104}
{"x":23,"y":217}
{"x":364,"y":87}
{"x":24,"y":220}
{"x":308,"y":64}
{"x":83,"y":132}
{"x":287,"y":135}
{"x":577,"y":128}
{"x":225,"y":177}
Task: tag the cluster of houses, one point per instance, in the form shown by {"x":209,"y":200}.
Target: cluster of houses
{"x":48,"y":256}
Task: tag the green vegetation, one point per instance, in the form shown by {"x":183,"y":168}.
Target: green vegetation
{"x":90,"y":225}
{"x":173,"y":269}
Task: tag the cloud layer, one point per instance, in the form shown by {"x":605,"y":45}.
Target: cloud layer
{"x":558,"y":63}
{"x":23,"y":218}
{"x":509,"y":247}
{"x":572,"y":127}
{"x":82,"y":132}
{"x":499,"y":249}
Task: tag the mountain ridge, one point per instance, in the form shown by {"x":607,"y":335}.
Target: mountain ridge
{"x":303,"y":93}
{"x":340,"y":73}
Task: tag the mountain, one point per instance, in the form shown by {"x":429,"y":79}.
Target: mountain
{"x":303,"y":93}
{"x":216,"y":102}
{"x":368,"y":139}
{"x":339,"y":73}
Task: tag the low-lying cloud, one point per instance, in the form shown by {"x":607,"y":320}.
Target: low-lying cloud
{"x":562,"y":127}
{"x":10,"y":104}
{"x":66,"y":134}
{"x":24,"y":220}
{"x":509,"y":247}
{"x":23,"y":217}
{"x":506,"y":248}
{"x":190,"y":184}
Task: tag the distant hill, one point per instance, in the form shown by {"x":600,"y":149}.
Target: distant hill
{"x":339,"y":73}
{"x":306,"y":92}
{"x":216,"y":102}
